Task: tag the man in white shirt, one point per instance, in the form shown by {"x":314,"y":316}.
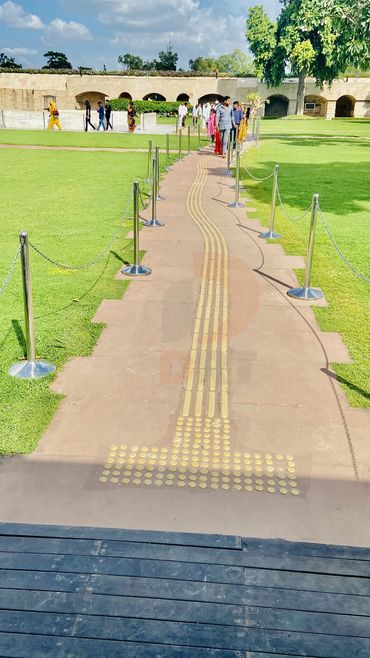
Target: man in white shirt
{"x":183,"y":111}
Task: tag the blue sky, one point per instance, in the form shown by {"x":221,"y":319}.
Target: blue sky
{"x":94,"y":32}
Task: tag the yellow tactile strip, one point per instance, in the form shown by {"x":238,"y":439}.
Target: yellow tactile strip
{"x":201,"y":457}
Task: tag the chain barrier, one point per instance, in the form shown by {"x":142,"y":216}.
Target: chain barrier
{"x":10,"y":272}
{"x":255,"y":177}
{"x":286,"y":214}
{"x":341,"y":255}
{"x":96,"y":260}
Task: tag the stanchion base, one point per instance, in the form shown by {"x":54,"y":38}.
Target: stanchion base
{"x":228,"y":173}
{"x":241,"y":187}
{"x":153,"y":222}
{"x":305,"y":293}
{"x":31,"y":369}
{"x":161,"y":198}
{"x":136,"y":270}
{"x":236,"y":204}
{"x":169,"y":168}
{"x":270,"y":235}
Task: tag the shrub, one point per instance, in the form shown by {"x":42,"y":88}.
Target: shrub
{"x":163,"y":108}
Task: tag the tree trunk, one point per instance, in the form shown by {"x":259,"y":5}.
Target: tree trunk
{"x":301,"y":92}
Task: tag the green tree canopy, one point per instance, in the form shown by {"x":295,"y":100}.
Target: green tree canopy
{"x":203,"y":64}
{"x":320,"y":38}
{"x":56,"y":60}
{"x":131,"y":62}
{"x":8,"y":62}
{"x":167,"y":60}
{"x":236,"y":63}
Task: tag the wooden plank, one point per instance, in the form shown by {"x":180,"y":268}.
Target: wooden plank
{"x":123,"y":606}
{"x":279,"y":546}
{"x":232,"y":594}
{"x":42,"y":580}
{"x":308,"y":622}
{"x":307,"y":581}
{"x":13,"y":645}
{"x":53,"y":546}
{"x":239,"y":558}
{"x":14,"y":621}
{"x":165,"y":632}
{"x":167,"y":589}
{"x":122,"y":566}
{"x":148,"y":536}
{"x":306,"y":644}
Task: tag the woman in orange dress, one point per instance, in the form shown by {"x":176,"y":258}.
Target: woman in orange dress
{"x":131,"y":114}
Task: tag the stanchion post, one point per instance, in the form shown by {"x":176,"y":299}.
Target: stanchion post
{"x":154,"y":221}
{"x":270,"y":234}
{"x":258,"y":131}
{"x":188,"y":140}
{"x":136,"y":269}
{"x":198,"y":137}
{"x":237,"y":203}
{"x":228,"y":171}
{"x":150,"y":149}
{"x":168,"y":168}
{"x":307,"y":292}
{"x":180,"y":145}
{"x":32,"y":368}
{"x":159,"y":197}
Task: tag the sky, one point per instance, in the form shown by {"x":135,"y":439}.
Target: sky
{"x":94,"y":33}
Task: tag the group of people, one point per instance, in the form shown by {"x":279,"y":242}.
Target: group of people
{"x":228,"y":123}
{"x":224,"y":121}
{"x":104,"y":114}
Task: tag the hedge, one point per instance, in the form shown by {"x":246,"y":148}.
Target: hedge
{"x":135,"y":74}
{"x":163,"y":108}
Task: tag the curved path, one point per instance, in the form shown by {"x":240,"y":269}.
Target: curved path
{"x":208,"y":404}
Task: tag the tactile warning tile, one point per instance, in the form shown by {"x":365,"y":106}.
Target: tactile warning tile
{"x":201,"y":457}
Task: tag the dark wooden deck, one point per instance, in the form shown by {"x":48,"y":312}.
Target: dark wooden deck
{"x":99,"y":592}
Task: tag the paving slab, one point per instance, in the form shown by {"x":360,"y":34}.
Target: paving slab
{"x":209,"y":403}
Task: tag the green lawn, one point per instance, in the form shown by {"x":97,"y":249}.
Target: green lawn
{"x":316,"y":127}
{"x":71,"y":204}
{"x":341,"y":175}
{"x":92,"y":139}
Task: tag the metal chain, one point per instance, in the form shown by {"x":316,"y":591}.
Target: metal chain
{"x":286,"y":214}
{"x":85,"y":266}
{"x":339,"y":252}
{"x":10,"y":272}
{"x":255,"y":177}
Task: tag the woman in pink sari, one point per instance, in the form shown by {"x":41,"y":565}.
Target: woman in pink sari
{"x":211,"y":130}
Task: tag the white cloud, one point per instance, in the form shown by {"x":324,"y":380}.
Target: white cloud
{"x":13,"y":15}
{"x":19,"y":51}
{"x":152,"y":24}
{"x":59,"y":30}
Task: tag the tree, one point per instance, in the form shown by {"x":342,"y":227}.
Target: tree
{"x":203,"y":64}
{"x":256,"y":103}
{"x":320,"y":38}
{"x":8,"y":62}
{"x":236,"y":63}
{"x":167,"y":60}
{"x":56,"y":60}
{"x":131,"y":62}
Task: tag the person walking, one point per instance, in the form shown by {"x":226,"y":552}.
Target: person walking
{"x":53,"y":117}
{"x":238,"y":115}
{"x":211,"y":130}
{"x":108,"y":112}
{"x":224,"y":122}
{"x":195,"y":114}
{"x":183,"y":112}
{"x":131,"y":114}
{"x":88,"y":116}
{"x":101,"y":115}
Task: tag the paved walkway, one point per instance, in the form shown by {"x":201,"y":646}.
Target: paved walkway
{"x":208,"y":404}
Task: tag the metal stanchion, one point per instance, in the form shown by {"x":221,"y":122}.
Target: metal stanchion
{"x":150,"y":149}
{"x":237,"y":203}
{"x":168,"y":167}
{"x":154,"y":221}
{"x":159,"y":196}
{"x":188,"y":140}
{"x":228,"y":171}
{"x":180,"y":145}
{"x":258,"y":132}
{"x":32,"y":368}
{"x":270,"y":234}
{"x":136,"y":269}
{"x":307,"y":292}
{"x":199,"y":137}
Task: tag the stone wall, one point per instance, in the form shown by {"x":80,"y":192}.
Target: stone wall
{"x":24,"y":91}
